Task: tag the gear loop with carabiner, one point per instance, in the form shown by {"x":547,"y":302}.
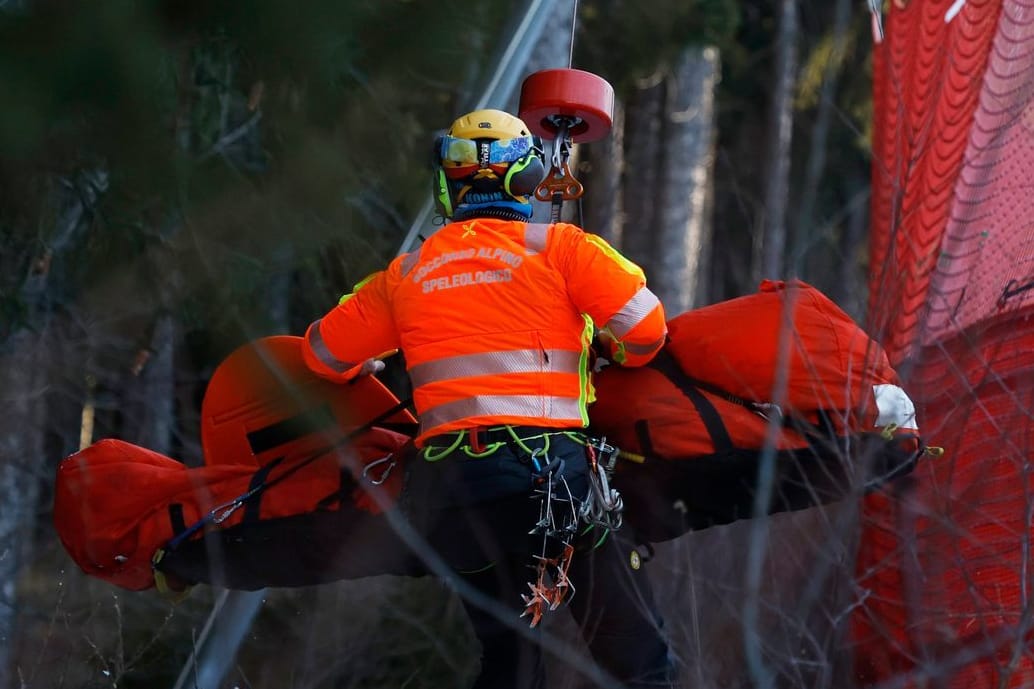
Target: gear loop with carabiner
{"x":603,"y":506}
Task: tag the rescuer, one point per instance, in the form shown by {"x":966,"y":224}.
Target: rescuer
{"x":496,"y":316}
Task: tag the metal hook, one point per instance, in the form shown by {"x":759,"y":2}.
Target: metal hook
{"x":387,"y":471}
{"x":559,"y":184}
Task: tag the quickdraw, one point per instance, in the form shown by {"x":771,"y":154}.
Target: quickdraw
{"x":559,"y":519}
{"x":558,"y":523}
{"x":603,"y":505}
{"x":551,"y":587}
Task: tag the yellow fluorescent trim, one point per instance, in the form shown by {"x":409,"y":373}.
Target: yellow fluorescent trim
{"x":587,"y":390}
{"x":615,"y":255}
{"x":359,"y":286}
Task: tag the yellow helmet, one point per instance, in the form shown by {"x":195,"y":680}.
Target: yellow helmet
{"x":487,"y":163}
{"x":488,"y":124}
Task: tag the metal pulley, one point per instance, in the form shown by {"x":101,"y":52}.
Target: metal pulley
{"x":567,"y":106}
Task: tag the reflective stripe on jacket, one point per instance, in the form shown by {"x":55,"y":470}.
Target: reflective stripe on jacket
{"x":495,"y":319}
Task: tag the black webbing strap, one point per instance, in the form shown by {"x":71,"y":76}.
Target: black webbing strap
{"x":642,"y":433}
{"x":251,"y":507}
{"x":351,"y":435}
{"x":176,"y":519}
{"x":312,"y":420}
{"x":344,"y":488}
{"x":665,"y":363}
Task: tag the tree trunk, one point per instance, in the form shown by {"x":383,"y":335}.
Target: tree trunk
{"x":682,"y":226}
{"x":604,"y":166}
{"x":23,"y":387}
{"x":772,"y":245}
{"x":851,"y":290}
{"x":21,"y":447}
{"x":816,"y":165}
{"x":641,"y":174}
{"x":149,"y":394}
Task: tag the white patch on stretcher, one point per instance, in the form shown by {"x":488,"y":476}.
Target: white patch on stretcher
{"x":895,"y":407}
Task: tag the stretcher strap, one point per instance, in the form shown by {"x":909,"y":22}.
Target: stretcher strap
{"x":665,"y":363}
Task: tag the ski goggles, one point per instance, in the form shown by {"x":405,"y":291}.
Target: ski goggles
{"x":461,"y":157}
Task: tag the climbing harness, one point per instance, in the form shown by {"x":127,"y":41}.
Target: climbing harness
{"x":472,"y":443}
{"x":561,"y":515}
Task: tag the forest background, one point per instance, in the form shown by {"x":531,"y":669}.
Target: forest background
{"x":179,"y":178}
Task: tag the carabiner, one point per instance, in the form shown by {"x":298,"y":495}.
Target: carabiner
{"x":387,"y":471}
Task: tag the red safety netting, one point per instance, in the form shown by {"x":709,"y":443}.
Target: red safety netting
{"x":944,"y":570}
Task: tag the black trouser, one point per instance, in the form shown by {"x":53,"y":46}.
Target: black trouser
{"x":477,"y":512}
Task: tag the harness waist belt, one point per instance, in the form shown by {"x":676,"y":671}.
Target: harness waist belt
{"x":480,"y":436}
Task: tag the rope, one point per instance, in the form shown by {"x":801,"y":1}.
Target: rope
{"x":574,"y":26}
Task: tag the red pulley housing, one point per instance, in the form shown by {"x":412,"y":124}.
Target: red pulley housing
{"x":582,"y":99}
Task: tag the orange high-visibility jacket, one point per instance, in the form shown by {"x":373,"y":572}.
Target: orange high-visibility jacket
{"x":495,"y":318}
